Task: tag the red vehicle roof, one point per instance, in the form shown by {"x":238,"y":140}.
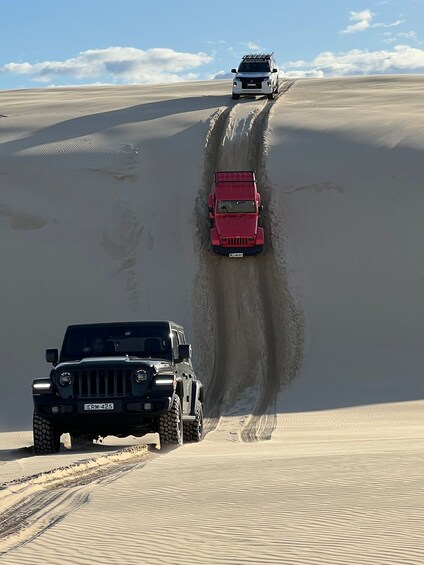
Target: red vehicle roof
{"x":237,"y":176}
{"x":235,"y":185}
{"x":235,"y":191}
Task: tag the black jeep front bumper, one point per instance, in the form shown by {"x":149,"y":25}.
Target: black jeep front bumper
{"x":128,"y":416}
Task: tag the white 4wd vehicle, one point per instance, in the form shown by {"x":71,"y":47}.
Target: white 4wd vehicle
{"x":256,"y":75}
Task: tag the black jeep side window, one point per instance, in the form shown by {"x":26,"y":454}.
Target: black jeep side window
{"x":175,"y":344}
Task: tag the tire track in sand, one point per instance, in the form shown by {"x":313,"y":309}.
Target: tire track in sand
{"x":248,"y":327}
{"x":31,"y":505}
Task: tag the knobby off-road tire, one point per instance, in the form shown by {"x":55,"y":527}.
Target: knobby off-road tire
{"x":171,"y":424}
{"x":46,"y":438}
{"x":193,"y":431}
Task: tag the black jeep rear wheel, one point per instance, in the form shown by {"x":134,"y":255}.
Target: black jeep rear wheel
{"x":193,"y":431}
{"x":46,"y":437}
{"x":171,"y":424}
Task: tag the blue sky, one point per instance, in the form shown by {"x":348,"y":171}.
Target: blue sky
{"x":45,"y":43}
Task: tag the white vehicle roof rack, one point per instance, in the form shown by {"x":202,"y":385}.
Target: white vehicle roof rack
{"x":258,"y":56}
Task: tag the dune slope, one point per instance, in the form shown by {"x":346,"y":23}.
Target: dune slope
{"x":315,"y":346}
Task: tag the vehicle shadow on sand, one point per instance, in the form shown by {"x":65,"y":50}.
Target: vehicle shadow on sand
{"x":99,"y":122}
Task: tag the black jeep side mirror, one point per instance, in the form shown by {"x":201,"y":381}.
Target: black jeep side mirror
{"x":52,"y":356}
{"x":233,"y":70}
{"x":275,"y":70}
{"x":184,"y":352}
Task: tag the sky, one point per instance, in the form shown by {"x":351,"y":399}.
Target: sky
{"x":48,"y":43}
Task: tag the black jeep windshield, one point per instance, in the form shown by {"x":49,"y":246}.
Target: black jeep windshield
{"x":113,"y":341}
{"x":254,"y":68}
{"x":236,"y":206}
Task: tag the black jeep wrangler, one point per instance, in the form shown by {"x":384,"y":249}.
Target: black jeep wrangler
{"x":121,"y":378}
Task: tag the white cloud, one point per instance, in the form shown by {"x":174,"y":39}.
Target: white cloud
{"x":401,"y":36}
{"x":216,"y":42}
{"x":313,"y":73}
{"x":393,"y":24}
{"x":252,"y":45}
{"x":119,"y":64}
{"x":402,"y":58}
{"x":409,"y":35}
{"x":362,"y":19}
{"x":220,"y":75}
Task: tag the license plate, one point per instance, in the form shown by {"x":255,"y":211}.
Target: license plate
{"x":235,"y":255}
{"x":251,"y":84}
{"x":99,"y":406}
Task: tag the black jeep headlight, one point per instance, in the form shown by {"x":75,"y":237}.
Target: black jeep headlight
{"x":65,"y":379}
{"x":140,"y":376}
{"x":165,"y":380}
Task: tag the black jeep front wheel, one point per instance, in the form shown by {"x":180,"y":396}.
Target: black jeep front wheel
{"x":46,"y":437}
{"x":171,"y":424}
{"x":193,"y":430}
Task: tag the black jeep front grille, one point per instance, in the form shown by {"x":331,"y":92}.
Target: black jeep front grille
{"x":98,"y":383}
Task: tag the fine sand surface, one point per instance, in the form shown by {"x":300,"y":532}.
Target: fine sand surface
{"x":311,"y":354}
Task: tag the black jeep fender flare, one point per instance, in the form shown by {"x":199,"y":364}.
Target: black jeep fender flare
{"x":179,"y":389}
{"x":196,"y":394}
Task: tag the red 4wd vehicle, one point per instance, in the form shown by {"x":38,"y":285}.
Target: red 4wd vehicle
{"x":234,"y":210}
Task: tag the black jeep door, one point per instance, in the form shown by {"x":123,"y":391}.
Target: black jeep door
{"x":184,"y":370}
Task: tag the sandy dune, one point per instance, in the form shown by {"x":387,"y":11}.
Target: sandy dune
{"x":311,"y":353}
